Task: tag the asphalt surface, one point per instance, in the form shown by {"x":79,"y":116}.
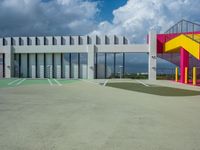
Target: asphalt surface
{"x":86,"y":116}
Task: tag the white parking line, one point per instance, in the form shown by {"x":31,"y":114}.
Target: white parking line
{"x":10,"y":83}
{"x":58,"y":82}
{"x":142,"y":83}
{"x":105,"y":83}
{"x":50,"y":82}
{"x":85,"y":80}
{"x":20,"y":82}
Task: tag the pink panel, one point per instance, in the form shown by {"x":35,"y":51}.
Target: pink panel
{"x":160,"y":42}
{"x":184,"y":62}
{"x":162,"y":38}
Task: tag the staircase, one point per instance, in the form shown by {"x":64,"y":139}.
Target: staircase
{"x":184,"y":34}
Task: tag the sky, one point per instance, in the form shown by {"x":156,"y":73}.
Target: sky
{"x":130,"y":18}
{"x":107,"y":6}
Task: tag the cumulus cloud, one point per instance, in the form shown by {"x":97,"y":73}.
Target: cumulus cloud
{"x":137,"y":17}
{"x":63,"y":17}
{"x":54,"y":17}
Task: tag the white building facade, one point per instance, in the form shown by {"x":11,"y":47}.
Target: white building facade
{"x":51,"y":57}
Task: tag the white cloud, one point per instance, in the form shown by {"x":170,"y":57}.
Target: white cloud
{"x":36,"y":17}
{"x":137,"y":17}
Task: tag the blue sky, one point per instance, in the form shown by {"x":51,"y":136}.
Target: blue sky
{"x":107,"y":7}
{"x":131,"y":18}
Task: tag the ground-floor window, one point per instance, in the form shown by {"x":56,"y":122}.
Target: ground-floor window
{"x":50,"y":65}
{"x":121,"y":65}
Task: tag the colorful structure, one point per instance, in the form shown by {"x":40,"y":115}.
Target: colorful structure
{"x":181,"y":46}
{"x":77,"y":56}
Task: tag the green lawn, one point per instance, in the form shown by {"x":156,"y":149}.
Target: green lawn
{"x":152,"y":89}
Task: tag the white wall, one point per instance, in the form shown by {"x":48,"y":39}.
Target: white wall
{"x":112,"y":39}
{"x":152,"y":55}
{"x":93,"y":38}
{"x":8,"y":41}
{"x":74,"y":40}
{"x":58,"y":40}
{"x":66,"y":40}
{"x":83,"y":40}
{"x":1,"y":41}
{"x":24,"y":40}
{"x":40,"y":40}
{"x":103,"y":39}
{"x":16,"y":41}
{"x":49,"y":49}
{"x":32,"y":41}
{"x":40,"y":65}
{"x":49,"y":40}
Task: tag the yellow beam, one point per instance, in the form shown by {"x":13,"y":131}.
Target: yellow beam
{"x":185,"y":42}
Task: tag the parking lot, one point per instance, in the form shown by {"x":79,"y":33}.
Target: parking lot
{"x":15,"y":82}
{"x":89,"y":115}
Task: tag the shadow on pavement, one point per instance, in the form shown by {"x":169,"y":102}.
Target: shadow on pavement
{"x":155,"y":90}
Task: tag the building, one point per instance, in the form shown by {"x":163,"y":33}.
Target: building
{"x":51,"y":57}
{"x":180,"y":45}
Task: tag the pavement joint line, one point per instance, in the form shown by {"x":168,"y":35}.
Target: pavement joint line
{"x":20,"y":82}
{"x":58,"y":82}
{"x":105,"y":83}
{"x":90,"y":82}
{"x":142,"y":83}
{"x":12,"y":82}
{"x":50,"y":82}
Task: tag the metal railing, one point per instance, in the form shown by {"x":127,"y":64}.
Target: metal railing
{"x":185,"y":27}
{"x":166,"y":73}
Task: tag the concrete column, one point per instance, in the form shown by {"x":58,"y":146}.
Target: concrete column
{"x":75,"y":71}
{"x":1,"y":64}
{"x":57,"y":65}
{"x":114,"y":64}
{"x":32,"y":66}
{"x":74,"y":66}
{"x":40,"y":66}
{"x":8,"y":61}
{"x":24,"y":65}
{"x":79,"y":66}
{"x":105,"y":63}
{"x":16,"y":65}
{"x":49,"y":66}
{"x":91,"y":52}
{"x":152,"y":55}
{"x":184,"y":62}
{"x":66,"y":65}
{"x":83,"y":71}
